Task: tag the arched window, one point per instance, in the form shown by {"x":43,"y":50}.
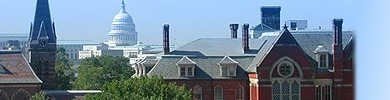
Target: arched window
{"x":3,"y":95}
{"x":218,"y":93}
{"x":21,"y":95}
{"x":295,"y":90}
{"x":197,"y":90}
{"x":276,"y":90}
{"x":285,"y":91}
{"x":239,"y":93}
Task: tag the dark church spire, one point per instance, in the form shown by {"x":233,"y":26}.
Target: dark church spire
{"x":42,"y":19}
{"x":42,"y":45}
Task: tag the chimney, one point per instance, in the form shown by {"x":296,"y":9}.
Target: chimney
{"x":166,"y":38}
{"x":338,"y":65}
{"x":245,"y":40}
{"x":337,"y":31}
{"x":233,"y":29}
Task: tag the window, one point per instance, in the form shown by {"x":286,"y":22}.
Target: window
{"x":197,"y":90}
{"x":21,"y":95}
{"x":285,"y":68}
{"x":318,"y":93}
{"x":328,"y":91}
{"x":295,"y":90}
{"x":186,"y":70}
{"x":276,"y":91}
{"x":218,"y":93}
{"x":285,"y":90}
{"x":239,"y":93}
{"x":323,"y":61}
{"x":228,"y":69}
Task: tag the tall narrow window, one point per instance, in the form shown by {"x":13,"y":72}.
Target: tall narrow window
{"x":232,"y":70}
{"x":323,"y":61}
{"x":197,"y":90}
{"x":318,"y":91}
{"x":224,"y":71}
{"x":285,"y":91}
{"x":182,"y":71}
{"x":328,"y":91}
{"x":239,"y":93}
{"x":218,"y":93}
{"x":295,"y":90}
{"x":276,"y":91}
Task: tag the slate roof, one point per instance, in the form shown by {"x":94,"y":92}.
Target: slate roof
{"x":219,"y":47}
{"x":208,"y":52}
{"x":15,"y":69}
{"x":206,"y":67}
{"x":308,"y":41}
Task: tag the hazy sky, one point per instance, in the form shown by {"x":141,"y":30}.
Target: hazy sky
{"x":189,"y":19}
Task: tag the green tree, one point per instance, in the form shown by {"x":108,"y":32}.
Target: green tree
{"x":142,"y":88}
{"x":39,"y":96}
{"x":93,"y":72}
{"x":64,"y":73}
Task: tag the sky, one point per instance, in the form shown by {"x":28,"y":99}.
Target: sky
{"x":189,"y":19}
{"x":193,"y":19}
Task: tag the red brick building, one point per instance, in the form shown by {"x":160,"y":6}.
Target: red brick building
{"x":17,"y":79}
{"x":282,"y":65}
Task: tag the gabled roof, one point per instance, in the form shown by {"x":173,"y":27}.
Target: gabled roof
{"x":206,"y":67}
{"x":16,"y":69}
{"x":227,"y":60}
{"x":185,"y":60}
{"x":308,"y":41}
{"x":320,"y":49}
{"x":261,"y":27}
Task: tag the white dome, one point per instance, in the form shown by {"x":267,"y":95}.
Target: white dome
{"x":122,"y":29}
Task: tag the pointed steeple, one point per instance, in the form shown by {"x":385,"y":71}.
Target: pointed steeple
{"x":123,"y":7}
{"x":42,"y":32}
{"x":42,"y":19}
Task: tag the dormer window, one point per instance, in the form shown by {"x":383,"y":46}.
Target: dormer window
{"x":228,"y":67}
{"x":322,"y":57}
{"x":186,"y":70}
{"x":186,"y":67}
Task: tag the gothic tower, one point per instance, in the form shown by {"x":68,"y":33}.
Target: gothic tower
{"x":42,"y":45}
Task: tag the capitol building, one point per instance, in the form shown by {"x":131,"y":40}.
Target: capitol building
{"x":122,"y":31}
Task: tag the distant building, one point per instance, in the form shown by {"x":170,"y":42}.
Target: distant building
{"x":17,"y":78}
{"x":6,"y":37}
{"x":122,"y":31}
{"x":93,"y":51}
{"x":73,"y":47}
{"x":280,"y":65}
{"x":297,"y":24}
{"x":270,"y":21}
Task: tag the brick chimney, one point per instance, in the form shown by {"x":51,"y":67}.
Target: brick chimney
{"x":233,"y":29}
{"x":338,"y":58}
{"x":166,"y":38}
{"x":245,"y":40}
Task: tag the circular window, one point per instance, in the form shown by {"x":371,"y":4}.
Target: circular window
{"x":285,"y":68}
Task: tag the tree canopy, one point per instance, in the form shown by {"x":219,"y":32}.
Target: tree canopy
{"x":142,"y":88}
{"x":93,"y":72}
{"x":64,"y":73}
